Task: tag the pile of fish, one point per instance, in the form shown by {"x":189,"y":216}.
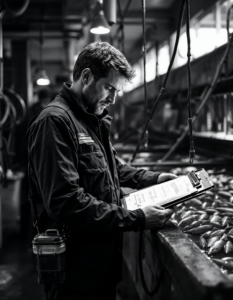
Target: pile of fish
{"x":208,"y":220}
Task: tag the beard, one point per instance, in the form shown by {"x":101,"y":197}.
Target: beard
{"x":91,"y":98}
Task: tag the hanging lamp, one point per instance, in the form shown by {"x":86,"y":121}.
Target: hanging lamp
{"x":99,"y":24}
{"x":42,"y":78}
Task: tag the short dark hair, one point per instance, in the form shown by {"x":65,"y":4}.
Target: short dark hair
{"x":100,"y":58}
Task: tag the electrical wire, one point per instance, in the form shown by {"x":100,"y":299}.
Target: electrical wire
{"x":122,"y":37}
{"x":144,"y":69}
{"x":165,"y":80}
{"x":191,"y":143}
{"x":228,"y":21}
{"x":228,"y":36}
{"x":160,"y":276}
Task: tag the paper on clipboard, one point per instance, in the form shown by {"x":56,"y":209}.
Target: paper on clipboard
{"x":160,"y":194}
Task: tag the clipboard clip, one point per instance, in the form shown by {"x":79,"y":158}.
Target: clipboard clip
{"x":194,"y":179}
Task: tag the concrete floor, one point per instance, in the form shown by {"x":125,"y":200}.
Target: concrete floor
{"x":18,"y":279}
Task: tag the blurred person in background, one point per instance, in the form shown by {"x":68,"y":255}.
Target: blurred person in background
{"x":43,"y":98}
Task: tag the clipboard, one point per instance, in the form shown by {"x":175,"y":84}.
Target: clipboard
{"x":171,"y":192}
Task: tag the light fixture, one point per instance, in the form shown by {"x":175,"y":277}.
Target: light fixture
{"x":99,"y":23}
{"x":43,"y":78}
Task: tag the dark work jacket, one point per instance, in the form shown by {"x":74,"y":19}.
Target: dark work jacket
{"x":74,"y":186}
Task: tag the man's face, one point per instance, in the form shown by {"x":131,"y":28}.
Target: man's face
{"x":98,"y":95}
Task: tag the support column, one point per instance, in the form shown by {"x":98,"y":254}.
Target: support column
{"x":21,"y":79}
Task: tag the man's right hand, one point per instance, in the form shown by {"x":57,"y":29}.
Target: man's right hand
{"x":156,"y":216}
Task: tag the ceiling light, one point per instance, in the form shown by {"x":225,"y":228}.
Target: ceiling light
{"x":43,"y":78}
{"x":99,"y":24}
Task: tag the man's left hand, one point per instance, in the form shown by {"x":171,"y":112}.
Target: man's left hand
{"x":165,"y":177}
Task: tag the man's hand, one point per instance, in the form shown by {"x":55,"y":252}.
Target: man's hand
{"x":156,"y":216}
{"x":165,"y":177}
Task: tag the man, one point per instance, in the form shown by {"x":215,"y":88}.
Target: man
{"x":76,"y":177}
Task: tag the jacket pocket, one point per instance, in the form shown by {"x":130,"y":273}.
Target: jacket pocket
{"x":93,"y":162}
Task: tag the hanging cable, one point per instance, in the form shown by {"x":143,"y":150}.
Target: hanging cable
{"x":165,"y":79}
{"x":228,"y":21}
{"x":191,"y":143}
{"x":159,"y":277}
{"x":144,"y":69}
{"x":228,"y":36}
{"x":2,"y":170}
{"x":122,"y":36}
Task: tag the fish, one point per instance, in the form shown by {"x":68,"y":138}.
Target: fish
{"x":192,"y":208}
{"x":228,"y":228}
{"x":228,"y":258}
{"x":195,"y":224}
{"x":175,"y":222}
{"x":224,"y":194}
{"x":217,"y":201}
{"x":225,"y":221}
{"x":209,"y":193}
{"x":217,"y":213}
{"x":210,"y":210}
{"x":217,"y":232}
{"x":202,"y":242}
{"x":186,"y":221}
{"x":187,"y":214}
{"x":212,"y":240}
{"x":216,"y":221}
{"x":204,"y":217}
{"x":225,"y":209}
{"x":208,"y":199}
{"x":194,"y":201}
{"x":200,"y":212}
{"x":204,"y":205}
{"x":228,"y":247}
{"x":222,"y":263}
{"x":229,"y":214}
{"x":230,"y":231}
{"x":230,"y":237}
{"x":224,"y":237}
{"x":173,"y":216}
{"x":180,"y":211}
{"x":217,"y":246}
{"x":200,"y":229}
{"x":226,"y":204}
{"x":216,"y":204}
{"x":207,"y":234}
